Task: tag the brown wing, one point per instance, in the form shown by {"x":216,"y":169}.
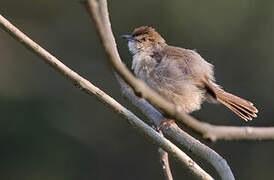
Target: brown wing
{"x":190,"y":63}
{"x":180,"y":55}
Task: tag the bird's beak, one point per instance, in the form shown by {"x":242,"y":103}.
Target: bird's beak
{"x":129,"y":37}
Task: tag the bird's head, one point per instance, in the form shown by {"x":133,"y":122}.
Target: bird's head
{"x":144,"y":39}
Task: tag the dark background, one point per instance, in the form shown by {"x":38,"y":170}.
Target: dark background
{"x":51,"y":130}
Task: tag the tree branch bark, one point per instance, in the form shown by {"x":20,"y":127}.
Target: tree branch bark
{"x":90,"y":89}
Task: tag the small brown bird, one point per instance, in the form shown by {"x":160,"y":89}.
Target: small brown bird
{"x":180,"y":75}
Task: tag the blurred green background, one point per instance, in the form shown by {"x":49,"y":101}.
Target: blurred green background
{"x":51,"y":130}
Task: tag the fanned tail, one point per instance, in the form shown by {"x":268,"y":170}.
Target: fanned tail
{"x":243,"y":108}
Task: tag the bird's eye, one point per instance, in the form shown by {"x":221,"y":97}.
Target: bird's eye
{"x":144,"y":39}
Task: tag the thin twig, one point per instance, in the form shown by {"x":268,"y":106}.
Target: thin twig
{"x":214,"y":133}
{"x":164,"y":162}
{"x":90,"y":89}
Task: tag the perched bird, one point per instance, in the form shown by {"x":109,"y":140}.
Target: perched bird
{"x":180,"y":75}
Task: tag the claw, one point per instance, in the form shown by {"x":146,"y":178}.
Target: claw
{"x":163,"y":123}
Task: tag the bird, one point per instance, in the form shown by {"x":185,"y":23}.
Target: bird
{"x":180,"y":75}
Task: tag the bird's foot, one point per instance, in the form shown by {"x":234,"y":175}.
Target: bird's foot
{"x":164,"y":122}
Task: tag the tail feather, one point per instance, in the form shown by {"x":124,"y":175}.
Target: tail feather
{"x":243,"y":108}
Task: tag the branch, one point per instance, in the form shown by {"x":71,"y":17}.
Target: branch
{"x":214,"y":133}
{"x":165,"y":163}
{"x":90,"y":89}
